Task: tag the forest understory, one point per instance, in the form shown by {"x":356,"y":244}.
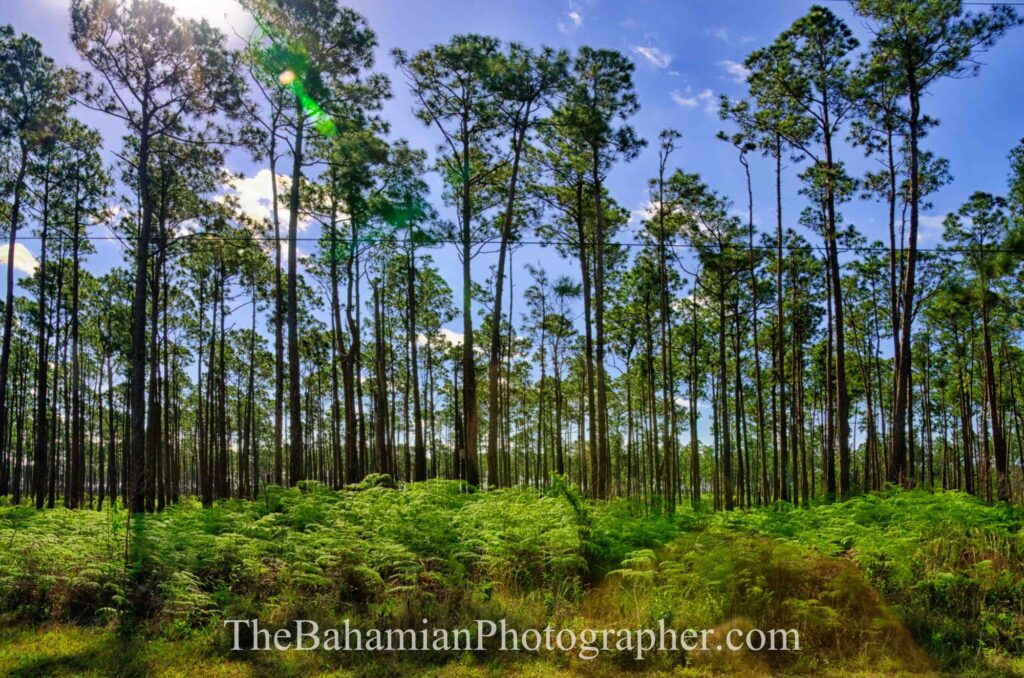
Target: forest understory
{"x":896,"y":583}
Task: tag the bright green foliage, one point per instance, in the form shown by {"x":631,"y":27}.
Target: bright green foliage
{"x":904,"y":577}
{"x":60,"y":562}
{"x":311,"y":547}
{"x":621,"y":526}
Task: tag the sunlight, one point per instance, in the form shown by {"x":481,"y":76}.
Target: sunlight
{"x":228,"y":15}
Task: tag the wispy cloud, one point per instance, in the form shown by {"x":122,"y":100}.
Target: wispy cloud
{"x":684,"y":101}
{"x":574,"y":17}
{"x":654,"y":56}
{"x":710,"y":101}
{"x":721,"y":33}
{"x":705,"y":98}
{"x":932,"y":227}
{"x":726,"y":36}
{"x":736,"y":71}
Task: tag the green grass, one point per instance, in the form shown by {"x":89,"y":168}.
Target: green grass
{"x":896,"y":583}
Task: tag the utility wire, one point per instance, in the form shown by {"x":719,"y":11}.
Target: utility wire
{"x":982,"y":4}
{"x":546,"y":243}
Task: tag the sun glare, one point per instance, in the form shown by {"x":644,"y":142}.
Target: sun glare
{"x":286,"y":77}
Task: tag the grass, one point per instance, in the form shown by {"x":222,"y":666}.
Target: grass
{"x":899,"y":583}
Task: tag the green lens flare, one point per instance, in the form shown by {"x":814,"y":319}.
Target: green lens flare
{"x":320,"y":119}
{"x":291,"y":64}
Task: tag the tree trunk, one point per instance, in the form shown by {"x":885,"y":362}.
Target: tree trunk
{"x":295,"y":470}
{"x":781,"y":486}
{"x":77,"y":423}
{"x":493,"y":366}
{"x":420,"y":450}
{"x":898,"y":453}
{"x":137,"y":360}
{"x":604,"y":457}
{"x":5,"y":347}
{"x":39,"y":467}
{"x":723,"y":414}
{"x":995,"y":412}
{"x":469,"y":405}
{"x":380,"y":411}
{"x":695,"y":482}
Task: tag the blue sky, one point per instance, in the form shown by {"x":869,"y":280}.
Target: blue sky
{"x":686,"y":52}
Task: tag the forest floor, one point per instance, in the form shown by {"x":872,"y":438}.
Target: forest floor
{"x":898,"y":583}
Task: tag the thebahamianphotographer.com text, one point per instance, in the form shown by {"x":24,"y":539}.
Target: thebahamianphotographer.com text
{"x":486,"y":635}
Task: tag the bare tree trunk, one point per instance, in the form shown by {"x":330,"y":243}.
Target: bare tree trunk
{"x":898,"y":452}
{"x":588,"y":345}
{"x":469,"y":405}
{"x":137,"y":361}
{"x":723,"y":428}
{"x":5,"y":347}
{"x":995,"y":413}
{"x":39,"y":467}
{"x":494,"y":363}
{"x":296,"y":471}
{"x":695,"y":480}
{"x":604,"y":456}
{"x":380,"y":412}
{"x":420,"y":450}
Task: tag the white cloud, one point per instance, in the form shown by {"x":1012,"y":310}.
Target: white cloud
{"x":705,"y":98}
{"x":448,"y":336}
{"x":255,"y":199}
{"x":24,"y":261}
{"x":655,"y":56}
{"x":576,"y":18}
{"x":737,"y":72}
{"x":102,"y":232}
{"x":645,"y":212}
{"x":452,"y":337}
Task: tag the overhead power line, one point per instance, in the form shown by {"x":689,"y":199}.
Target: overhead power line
{"x":546,"y":243}
{"x":981,"y":4}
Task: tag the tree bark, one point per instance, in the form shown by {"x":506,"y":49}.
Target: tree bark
{"x":296,"y":471}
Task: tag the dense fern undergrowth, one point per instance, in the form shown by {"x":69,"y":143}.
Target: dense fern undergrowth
{"x":896,"y":582}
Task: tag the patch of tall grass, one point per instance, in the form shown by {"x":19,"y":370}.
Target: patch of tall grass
{"x":951,"y":565}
